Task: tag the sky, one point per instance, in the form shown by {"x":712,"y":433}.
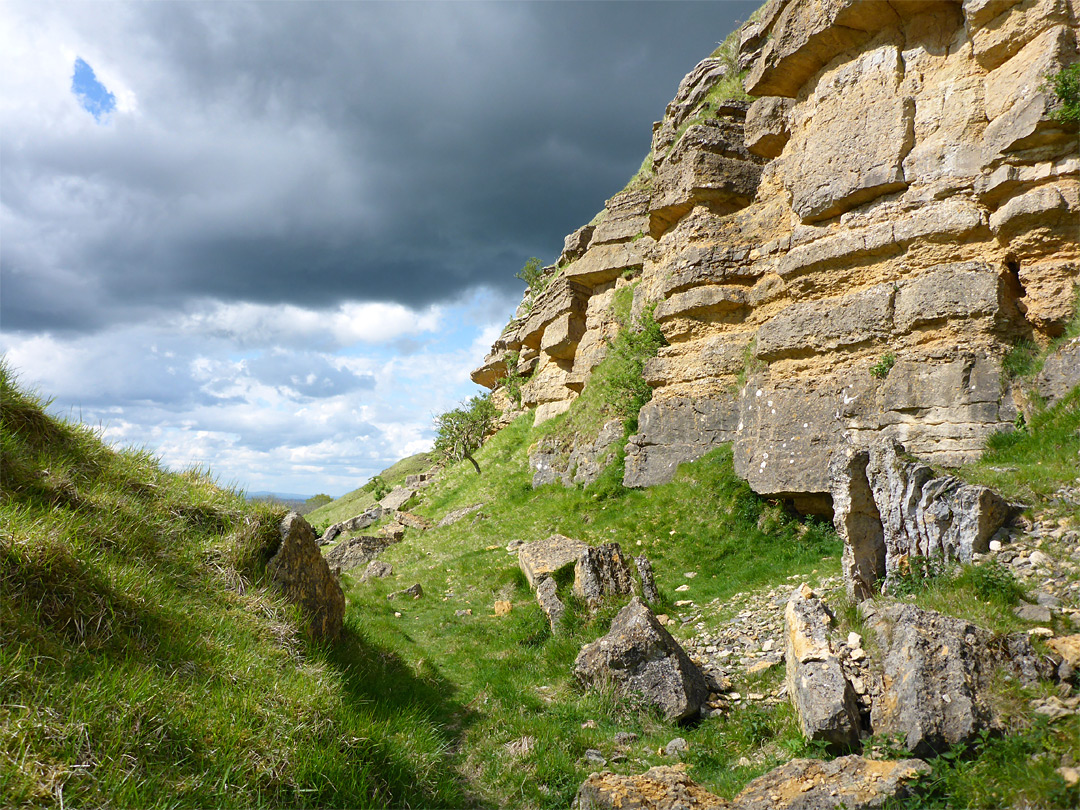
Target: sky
{"x":272,"y":238}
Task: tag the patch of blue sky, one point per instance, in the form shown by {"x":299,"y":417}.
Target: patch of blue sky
{"x":91,"y":94}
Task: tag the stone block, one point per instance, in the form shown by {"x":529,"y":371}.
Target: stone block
{"x":701,"y":301}
{"x":601,"y":571}
{"x":604,"y":263}
{"x":960,"y":290}
{"x":544,"y":557}
{"x":673,"y":431}
{"x":806,"y":327}
{"x":298,"y":570}
{"x":562,"y":336}
{"x":766,"y":128}
{"x":1002,"y":37}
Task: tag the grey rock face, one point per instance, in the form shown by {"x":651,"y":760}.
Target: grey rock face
{"x":934,"y":673}
{"x":910,"y":512}
{"x":550,"y":603}
{"x":601,"y":571}
{"x":641,"y":658}
{"x":822,"y":696}
{"x":550,"y":462}
{"x":300,"y":572}
{"x":355,"y":551}
{"x":648,"y":585}
{"x":1060,"y":373}
{"x":674,"y":431}
{"x":544,"y":557}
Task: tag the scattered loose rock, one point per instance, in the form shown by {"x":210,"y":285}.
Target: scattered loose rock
{"x":398,"y":497}
{"x":502,"y":607}
{"x":550,"y":603}
{"x":660,"y":788}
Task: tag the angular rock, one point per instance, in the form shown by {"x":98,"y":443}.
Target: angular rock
{"x":353,"y":524}
{"x":352,"y":552}
{"x":845,"y":783}
{"x":626,"y":216}
{"x":641,"y":658}
{"x":826,"y":325}
{"x":661,"y":788}
{"x":601,"y":571}
{"x":397,"y":498}
{"x":936,"y":672}
{"x":1068,"y":647}
{"x":960,"y":290}
{"x":544,"y":557}
{"x":604,"y":263}
{"x":913,"y":513}
{"x":1004,"y":36}
{"x":412,"y":521}
{"x":454,"y":515}
{"x":673,"y":431}
{"x":701,"y":301}
{"x":377,"y":569}
{"x":649,"y":591}
{"x":823,"y":698}
{"x":299,"y":571}
{"x":550,"y":603}
{"x":576,"y":244}
{"x":766,"y":127}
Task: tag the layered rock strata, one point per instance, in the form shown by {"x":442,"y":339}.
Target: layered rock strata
{"x":851,"y":254}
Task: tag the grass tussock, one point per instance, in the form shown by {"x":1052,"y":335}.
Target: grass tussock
{"x":143,"y":664}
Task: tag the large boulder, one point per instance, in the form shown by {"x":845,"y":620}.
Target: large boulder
{"x":821,"y":694}
{"x":397,"y":498}
{"x":937,"y":676}
{"x":641,"y":658}
{"x":544,"y":557}
{"x":601,"y":571}
{"x":888,"y":508}
{"x":299,"y":571}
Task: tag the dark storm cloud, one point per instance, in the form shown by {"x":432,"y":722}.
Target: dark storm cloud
{"x":313,"y":153}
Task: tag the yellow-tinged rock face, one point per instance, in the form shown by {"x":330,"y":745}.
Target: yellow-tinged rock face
{"x":898,"y":192}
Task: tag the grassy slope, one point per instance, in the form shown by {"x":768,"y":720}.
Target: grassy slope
{"x":141,"y":664}
{"x":356,"y":502}
{"x":514,"y":678}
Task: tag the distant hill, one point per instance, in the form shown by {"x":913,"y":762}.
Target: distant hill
{"x":355,"y":502}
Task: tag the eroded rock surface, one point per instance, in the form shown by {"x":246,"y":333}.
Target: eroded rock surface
{"x":601,"y":571}
{"x":543,"y":558}
{"x":642,"y":659}
{"x":300,"y":572}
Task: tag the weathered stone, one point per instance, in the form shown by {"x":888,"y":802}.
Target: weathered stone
{"x":913,"y":513}
{"x":844,"y":783}
{"x":1033,"y":613}
{"x":544,"y":557}
{"x":604,"y":263}
{"x":453,"y":516}
{"x":661,"y":788}
{"x":299,"y":571}
{"x":1049,"y":300}
{"x":415,"y":591}
{"x":562,"y":335}
{"x":708,"y":166}
{"x":1039,"y":220}
{"x":353,"y":524}
{"x":562,"y":295}
{"x":701,"y":301}
{"x":861,"y":124}
{"x":822,"y":696}
{"x":932,"y":681}
{"x":716,"y":356}
{"x":352,"y":552}
{"x":692,"y":92}
{"x":601,"y":571}
{"x":397,"y":498}
{"x":806,"y":36}
{"x":409,"y":520}
{"x":553,"y":459}
{"x":1068,"y":647}
{"x":377,"y":569}
{"x":550,"y":603}
{"x":419,"y":480}
{"x":641,"y":658}
{"x":576,"y":243}
{"x":648,"y":585}
{"x":1002,"y":37}
{"x":826,"y":325}
{"x":626,"y":216}
{"x":1060,"y":373}
{"x":766,"y":127}
{"x":674,"y":431}
{"x":960,"y":290}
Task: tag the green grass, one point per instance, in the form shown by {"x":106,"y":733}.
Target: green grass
{"x":514,"y":677}
{"x":1032,"y":463}
{"x":362,"y":499}
{"x":142,"y":663}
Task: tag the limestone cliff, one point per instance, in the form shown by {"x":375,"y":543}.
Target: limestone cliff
{"x":897,"y":190}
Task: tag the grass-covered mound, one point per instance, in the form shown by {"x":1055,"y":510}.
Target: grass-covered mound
{"x":143,"y":664}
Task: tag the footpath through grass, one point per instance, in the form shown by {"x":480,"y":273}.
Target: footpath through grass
{"x":143,"y":665}
{"x":524,"y":724}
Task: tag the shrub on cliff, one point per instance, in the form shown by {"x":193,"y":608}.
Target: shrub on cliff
{"x":462,"y":430}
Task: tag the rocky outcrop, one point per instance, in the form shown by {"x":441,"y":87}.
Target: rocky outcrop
{"x":888,"y":509}
{"x":398,"y":497}
{"x":1060,"y":373}
{"x":824,"y":700}
{"x":641,"y":659}
{"x":556,"y":460}
{"x":601,"y":571}
{"x":353,"y":524}
{"x":298,"y":570}
{"x":851,"y":256}
{"x":543,"y":558}
{"x":355,"y":551}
